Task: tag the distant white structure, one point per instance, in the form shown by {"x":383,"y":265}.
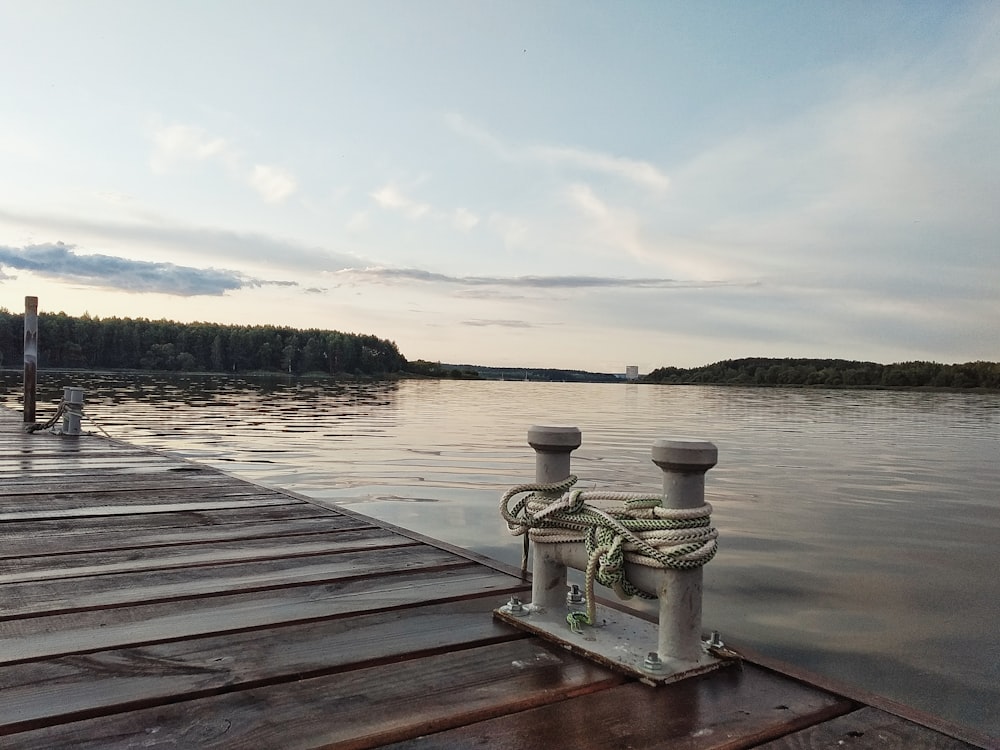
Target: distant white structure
{"x":632,"y":372}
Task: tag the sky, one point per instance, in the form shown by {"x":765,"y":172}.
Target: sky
{"x":578,"y":184}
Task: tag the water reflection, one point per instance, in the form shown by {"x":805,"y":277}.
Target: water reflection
{"x":859,"y":528}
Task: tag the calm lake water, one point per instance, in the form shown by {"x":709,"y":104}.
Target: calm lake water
{"x":860,"y":530}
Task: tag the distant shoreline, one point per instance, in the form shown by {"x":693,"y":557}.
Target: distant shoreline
{"x":534,"y":376}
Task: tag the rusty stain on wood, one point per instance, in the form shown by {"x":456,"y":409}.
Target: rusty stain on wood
{"x":152,"y":601}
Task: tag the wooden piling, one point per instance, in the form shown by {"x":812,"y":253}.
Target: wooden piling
{"x":30,"y":357}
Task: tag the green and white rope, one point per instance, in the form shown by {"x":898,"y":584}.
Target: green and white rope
{"x":615,"y":527}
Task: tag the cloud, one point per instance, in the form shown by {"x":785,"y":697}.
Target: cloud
{"x":636,"y":171}
{"x":60,"y":261}
{"x":464,"y":219}
{"x":639,"y":172}
{"x":533,"y":282}
{"x":616,"y":228}
{"x":272,"y":183}
{"x":391,"y":197}
{"x":500,"y":323}
{"x":199,"y":241}
{"x":175,"y":146}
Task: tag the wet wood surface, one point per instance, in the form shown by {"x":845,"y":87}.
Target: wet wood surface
{"x":146,"y":601}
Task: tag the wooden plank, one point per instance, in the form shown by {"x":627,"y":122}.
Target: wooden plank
{"x":115,"y":590}
{"x":97,"y":630}
{"x":867,"y":729}
{"x":193,"y":504}
{"x":72,"y":688}
{"x":60,"y":500}
{"x":62,"y":536}
{"x":168,"y":557}
{"x":725,"y":710}
{"x":69,"y":464}
{"x":23,"y":484}
{"x":361,"y":708}
{"x":96,"y":450}
{"x":868,"y":698}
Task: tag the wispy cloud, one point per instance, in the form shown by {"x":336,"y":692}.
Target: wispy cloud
{"x":636,"y":171}
{"x":633,"y":170}
{"x":532,"y":282}
{"x":465,"y":219}
{"x":177,"y":146}
{"x":500,"y":323}
{"x":160,"y":233}
{"x":391,"y":197}
{"x":272,"y":183}
{"x":60,"y":261}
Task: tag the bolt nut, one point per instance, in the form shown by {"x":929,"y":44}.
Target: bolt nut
{"x":652,"y":662}
{"x":714,"y":640}
{"x":575,"y":596}
{"x":515,"y":607}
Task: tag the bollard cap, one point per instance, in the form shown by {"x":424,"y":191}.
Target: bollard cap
{"x":685,"y":456}
{"x":554,"y":438}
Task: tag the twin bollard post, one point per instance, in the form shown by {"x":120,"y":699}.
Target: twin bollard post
{"x":620,"y":639}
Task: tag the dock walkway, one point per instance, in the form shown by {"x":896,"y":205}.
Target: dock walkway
{"x":147,"y":601}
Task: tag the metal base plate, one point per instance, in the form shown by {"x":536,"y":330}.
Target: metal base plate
{"x":618,"y":640}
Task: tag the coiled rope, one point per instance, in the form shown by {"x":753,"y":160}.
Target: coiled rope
{"x":625,"y":527}
{"x":39,"y":426}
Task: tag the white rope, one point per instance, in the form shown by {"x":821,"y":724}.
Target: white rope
{"x":615,"y":527}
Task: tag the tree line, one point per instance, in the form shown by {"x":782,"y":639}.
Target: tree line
{"x":833,"y":373}
{"x":93,"y":343}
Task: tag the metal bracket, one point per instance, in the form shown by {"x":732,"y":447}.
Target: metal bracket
{"x":617,"y":640}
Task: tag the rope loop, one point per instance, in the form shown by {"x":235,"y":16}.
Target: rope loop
{"x":615,"y":528}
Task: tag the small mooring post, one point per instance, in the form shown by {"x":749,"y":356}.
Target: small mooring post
{"x":553,"y":446}
{"x":30,"y":357}
{"x":72,"y":410}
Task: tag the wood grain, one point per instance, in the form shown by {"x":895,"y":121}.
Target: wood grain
{"x":867,"y":729}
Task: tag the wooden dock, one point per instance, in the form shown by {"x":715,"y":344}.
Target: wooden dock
{"x":146,"y":602}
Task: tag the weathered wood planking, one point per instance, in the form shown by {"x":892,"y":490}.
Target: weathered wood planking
{"x":732,"y":708}
{"x":67,"y":688}
{"x":364,"y":707}
{"x":867,"y":729}
{"x":147,"y":601}
{"x":38,"y":638}
{"x":69,"y":536}
{"x":212,"y":552}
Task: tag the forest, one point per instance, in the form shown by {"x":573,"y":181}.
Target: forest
{"x":91,"y":343}
{"x":833,"y":373}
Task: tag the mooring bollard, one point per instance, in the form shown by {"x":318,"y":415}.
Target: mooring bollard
{"x":613,"y":637}
{"x":72,"y":410}
{"x":553,"y":445}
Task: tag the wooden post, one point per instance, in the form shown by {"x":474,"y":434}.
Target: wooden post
{"x":552,"y":460}
{"x":684,"y":463}
{"x":30,"y":357}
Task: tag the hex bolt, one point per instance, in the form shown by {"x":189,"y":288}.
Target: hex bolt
{"x":714,"y":640}
{"x":575,"y":596}
{"x":515,"y":607}
{"x":652,"y":662}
